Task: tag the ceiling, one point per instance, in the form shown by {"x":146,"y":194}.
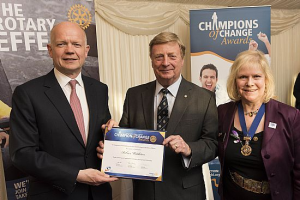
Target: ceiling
{"x":277,"y":4}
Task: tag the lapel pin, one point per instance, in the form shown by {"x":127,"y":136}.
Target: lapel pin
{"x":272,"y":125}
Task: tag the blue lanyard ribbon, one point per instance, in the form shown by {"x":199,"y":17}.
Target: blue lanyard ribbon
{"x":255,"y":122}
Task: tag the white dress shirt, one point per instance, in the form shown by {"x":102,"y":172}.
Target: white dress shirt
{"x":171,"y":96}
{"x":63,"y":81}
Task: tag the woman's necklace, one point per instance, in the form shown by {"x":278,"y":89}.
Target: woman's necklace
{"x":248,"y":135}
{"x":251,"y":113}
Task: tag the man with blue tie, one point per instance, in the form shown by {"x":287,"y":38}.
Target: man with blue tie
{"x":187,"y":112}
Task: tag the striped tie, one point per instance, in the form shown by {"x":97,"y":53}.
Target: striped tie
{"x":162,"y":112}
{"x":76,"y":107}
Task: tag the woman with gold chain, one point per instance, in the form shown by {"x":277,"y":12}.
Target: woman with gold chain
{"x":259,"y":137}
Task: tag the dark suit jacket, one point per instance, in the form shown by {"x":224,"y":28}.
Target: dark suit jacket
{"x":194,"y":118}
{"x":280,"y":148}
{"x":46,"y":143}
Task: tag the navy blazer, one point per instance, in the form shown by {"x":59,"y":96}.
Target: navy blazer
{"x":280,"y":148}
{"x":194,"y":118}
{"x":46,"y":143}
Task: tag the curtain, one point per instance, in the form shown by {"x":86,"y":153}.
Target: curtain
{"x":282,"y":4}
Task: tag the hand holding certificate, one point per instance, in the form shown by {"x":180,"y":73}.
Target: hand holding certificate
{"x":132,"y":153}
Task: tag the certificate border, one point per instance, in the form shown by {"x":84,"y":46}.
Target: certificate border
{"x":132,"y":176}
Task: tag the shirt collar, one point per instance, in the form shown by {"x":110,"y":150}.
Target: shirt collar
{"x":64,"y":80}
{"x":173,"y":89}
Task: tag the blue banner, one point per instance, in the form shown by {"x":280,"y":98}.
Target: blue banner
{"x":135,"y":135}
{"x":226,"y":32}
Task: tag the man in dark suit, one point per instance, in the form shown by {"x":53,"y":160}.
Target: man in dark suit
{"x":191,"y":127}
{"x":54,"y":140}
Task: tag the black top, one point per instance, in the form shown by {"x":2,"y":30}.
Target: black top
{"x":251,"y":167}
{"x":296,"y":91}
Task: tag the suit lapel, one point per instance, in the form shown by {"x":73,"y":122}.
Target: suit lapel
{"x":228,"y":121}
{"x":181,"y":103}
{"x":270,"y":121}
{"x":59,"y":100}
{"x":92,"y":104}
{"x":148,"y":105}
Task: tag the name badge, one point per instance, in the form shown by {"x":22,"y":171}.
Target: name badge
{"x":272,"y":125}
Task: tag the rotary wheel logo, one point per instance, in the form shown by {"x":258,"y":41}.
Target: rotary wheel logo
{"x":81,"y":15}
{"x":153,"y":139}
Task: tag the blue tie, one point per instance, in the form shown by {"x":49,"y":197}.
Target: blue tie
{"x":162,"y":112}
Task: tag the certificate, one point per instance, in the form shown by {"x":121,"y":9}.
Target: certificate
{"x":132,"y":153}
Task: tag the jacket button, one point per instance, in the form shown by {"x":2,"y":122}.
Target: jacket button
{"x":276,"y":192}
{"x":272,"y":174}
{"x":267,"y":156}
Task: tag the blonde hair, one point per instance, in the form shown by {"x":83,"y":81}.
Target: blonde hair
{"x":252,"y":58}
{"x":165,"y":37}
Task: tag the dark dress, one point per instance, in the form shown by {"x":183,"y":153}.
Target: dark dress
{"x":251,"y":167}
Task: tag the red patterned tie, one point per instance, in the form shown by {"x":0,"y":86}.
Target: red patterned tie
{"x":76,"y":107}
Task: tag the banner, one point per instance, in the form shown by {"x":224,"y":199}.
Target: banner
{"x":24,"y":34}
{"x":217,"y":36}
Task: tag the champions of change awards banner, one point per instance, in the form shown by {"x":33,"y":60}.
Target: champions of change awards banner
{"x":24,"y":33}
{"x":217,"y":36}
